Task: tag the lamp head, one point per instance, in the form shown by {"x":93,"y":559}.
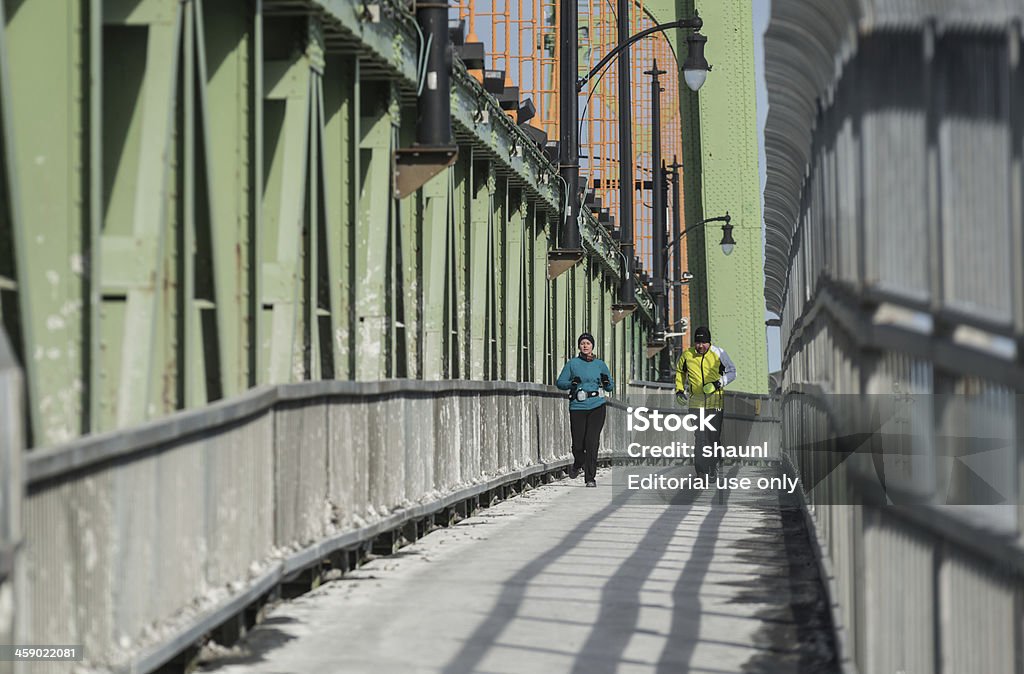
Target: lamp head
{"x":728,"y":243}
{"x":695,"y":68}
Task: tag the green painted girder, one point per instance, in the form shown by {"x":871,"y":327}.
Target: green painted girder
{"x":374,"y":223}
{"x":390,"y":43}
{"x":599,"y":243}
{"x":436,"y":195}
{"x":480,"y":120}
{"x":481,"y":208}
{"x":541,"y":333}
{"x":645,"y":303}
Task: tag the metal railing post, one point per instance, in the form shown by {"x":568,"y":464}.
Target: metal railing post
{"x":12,"y":446}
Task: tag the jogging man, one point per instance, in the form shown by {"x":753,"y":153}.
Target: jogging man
{"x":702,"y":373}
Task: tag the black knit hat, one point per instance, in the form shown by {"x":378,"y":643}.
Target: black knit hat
{"x":702,"y":334}
{"x":587,"y":336}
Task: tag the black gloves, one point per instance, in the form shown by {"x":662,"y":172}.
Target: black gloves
{"x":576,"y":380}
{"x":605,"y":381}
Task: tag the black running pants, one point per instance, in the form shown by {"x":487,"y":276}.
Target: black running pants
{"x":586,"y":426}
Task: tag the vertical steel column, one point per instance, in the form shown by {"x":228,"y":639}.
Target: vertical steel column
{"x":677,"y":252}
{"x":569,"y":147}
{"x":658,"y":224}
{"x":625,"y":157}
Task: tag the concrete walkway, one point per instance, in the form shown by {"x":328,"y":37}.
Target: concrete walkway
{"x":569,"y":579}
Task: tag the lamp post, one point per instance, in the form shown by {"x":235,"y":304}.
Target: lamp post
{"x":727,"y":244}
{"x":695,"y":67}
{"x":658,"y":198}
{"x":626,"y":290}
{"x":569,"y":251}
{"x":568,"y":59}
{"x":675,"y":169}
{"x":695,"y":72}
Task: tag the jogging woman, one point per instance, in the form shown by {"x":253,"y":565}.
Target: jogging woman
{"x":588,"y":380}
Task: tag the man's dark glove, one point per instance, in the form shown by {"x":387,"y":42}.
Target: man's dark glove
{"x":576,"y":380}
{"x":711,"y":387}
{"x":605,"y":381}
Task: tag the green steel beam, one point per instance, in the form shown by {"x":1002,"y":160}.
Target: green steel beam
{"x":340,"y":96}
{"x":480,"y":120}
{"x":598,"y":242}
{"x":436,"y":196}
{"x":286,"y":129}
{"x":388,"y":44}
{"x":541,"y":350}
{"x":580,"y":301}
{"x":11,"y":232}
{"x":139,"y":244}
{"x":46,"y":155}
{"x":480,"y":207}
{"x":378,"y":113}
{"x":513,"y":280}
{"x":460,"y":293}
{"x":207,"y":204}
{"x":559,"y":303}
{"x":455,"y":281}
{"x":499,"y":280}
{"x":408,"y":251}
{"x":331,"y":318}
{"x":226,"y":116}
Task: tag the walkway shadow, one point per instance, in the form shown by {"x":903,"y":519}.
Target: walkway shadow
{"x":617,"y":621}
{"x":685,"y":630}
{"x":506,"y":608}
{"x":796,"y":634}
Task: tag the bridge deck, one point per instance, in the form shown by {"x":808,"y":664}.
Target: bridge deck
{"x":563,"y":579}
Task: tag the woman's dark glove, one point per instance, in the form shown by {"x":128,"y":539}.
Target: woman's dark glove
{"x":576,"y":380}
{"x":605,"y":382}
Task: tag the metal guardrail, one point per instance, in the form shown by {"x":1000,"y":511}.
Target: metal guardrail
{"x":12,"y":446}
{"x":920,"y":587}
{"x":894,"y":264}
{"x":225,"y":502}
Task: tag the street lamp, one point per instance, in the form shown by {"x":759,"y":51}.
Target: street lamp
{"x":695,"y":72}
{"x":683,"y":278}
{"x":728,"y":243}
{"x":695,"y":68}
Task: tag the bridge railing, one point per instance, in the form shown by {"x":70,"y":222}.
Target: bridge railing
{"x":150,"y":538}
{"x":919,"y":580}
{"x":12,"y":445}
{"x":893,"y":260}
{"x":144,"y":537}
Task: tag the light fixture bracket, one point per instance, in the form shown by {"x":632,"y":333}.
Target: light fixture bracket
{"x":562,"y":260}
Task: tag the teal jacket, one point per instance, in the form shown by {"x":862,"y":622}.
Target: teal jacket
{"x":590,"y":376}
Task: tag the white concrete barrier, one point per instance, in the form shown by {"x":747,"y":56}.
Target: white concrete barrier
{"x":136,"y":541}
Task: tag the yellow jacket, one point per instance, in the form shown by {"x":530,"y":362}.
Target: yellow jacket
{"x":694,"y":370}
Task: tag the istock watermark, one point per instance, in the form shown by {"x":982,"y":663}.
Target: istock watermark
{"x":899,"y":449}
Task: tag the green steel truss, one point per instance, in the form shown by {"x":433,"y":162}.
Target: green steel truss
{"x":196,"y":197}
